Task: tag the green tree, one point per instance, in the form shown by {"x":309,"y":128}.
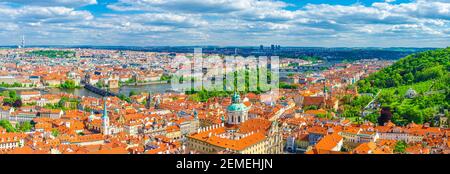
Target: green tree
{"x":427,"y":73}
{"x":409,"y":78}
{"x":132,"y":93}
{"x":311,"y":107}
{"x":400,"y":147}
{"x":25,"y":127}
{"x":7,"y":125}
{"x":13,"y":94}
{"x":124,"y":98}
{"x":69,"y":84}
{"x":55,"y":132}
{"x":372,"y":117}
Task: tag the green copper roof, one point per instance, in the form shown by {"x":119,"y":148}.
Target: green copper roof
{"x":237,"y":107}
{"x":236,"y":98}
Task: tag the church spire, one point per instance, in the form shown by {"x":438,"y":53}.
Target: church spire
{"x":325,"y":90}
{"x":105,"y":118}
{"x":236,"y":98}
{"x":105,"y":110}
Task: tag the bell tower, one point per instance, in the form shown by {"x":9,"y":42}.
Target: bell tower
{"x":105,"y":119}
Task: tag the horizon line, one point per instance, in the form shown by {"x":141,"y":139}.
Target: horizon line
{"x":265,"y":46}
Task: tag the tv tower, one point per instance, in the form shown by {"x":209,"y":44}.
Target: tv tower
{"x":23,"y":41}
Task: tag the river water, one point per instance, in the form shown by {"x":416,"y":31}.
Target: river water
{"x":153,"y":88}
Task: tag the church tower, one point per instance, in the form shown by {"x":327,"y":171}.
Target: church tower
{"x":105,"y":119}
{"x":237,"y":111}
{"x":148,"y":103}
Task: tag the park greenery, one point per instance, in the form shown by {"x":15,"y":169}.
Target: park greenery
{"x":353,"y":109}
{"x":128,"y":82}
{"x":14,"y":85}
{"x":64,"y":104}
{"x":124,"y":98}
{"x":165,"y":77}
{"x":101,"y":84}
{"x":52,"y":53}
{"x":427,"y":73}
{"x":204,"y":95}
{"x":11,"y":98}
{"x":354,"y":105}
{"x":69,"y":84}
{"x":310,"y":107}
{"x":284,"y":85}
{"x":7,"y":125}
{"x":127,"y":98}
{"x":313,"y":59}
{"x":400,"y":147}
{"x":227,"y":89}
{"x":19,"y":127}
{"x":132,"y":93}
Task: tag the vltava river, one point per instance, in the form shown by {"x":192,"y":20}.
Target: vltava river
{"x":153,"y":88}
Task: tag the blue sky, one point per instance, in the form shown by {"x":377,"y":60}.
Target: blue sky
{"x":329,"y":23}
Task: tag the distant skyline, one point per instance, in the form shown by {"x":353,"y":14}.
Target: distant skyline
{"x":307,"y":23}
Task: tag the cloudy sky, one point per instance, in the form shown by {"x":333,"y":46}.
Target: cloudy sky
{"x":329,"y":23}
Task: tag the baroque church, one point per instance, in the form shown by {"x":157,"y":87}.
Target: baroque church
{"x":238,"y":134}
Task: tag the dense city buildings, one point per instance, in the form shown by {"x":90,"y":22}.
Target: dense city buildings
{"x":224,"y":85}
{"x":94,"y":101}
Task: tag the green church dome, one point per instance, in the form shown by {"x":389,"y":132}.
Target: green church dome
{"x":237,"y":107}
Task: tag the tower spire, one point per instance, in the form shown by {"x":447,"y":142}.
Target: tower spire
{"x":105,"y":118}
{"x":105,"y":111}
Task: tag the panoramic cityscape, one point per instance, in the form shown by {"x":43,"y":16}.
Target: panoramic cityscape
{"x":225,"y":77}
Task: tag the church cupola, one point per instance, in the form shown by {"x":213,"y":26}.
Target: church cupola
{"x":237,"y":111}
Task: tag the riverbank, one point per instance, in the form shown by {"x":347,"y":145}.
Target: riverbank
{"x":22,"y":88}
{"x":35,"y":88}
{"x":146,"y":83}
{"x":152,"y":88}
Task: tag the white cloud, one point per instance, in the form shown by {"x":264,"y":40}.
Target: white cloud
{"x":419,"y":9}
{"x":168,"y":19}
{"x":35,"y":16}
{"x":232,"y":22}
{"x":66,"y":3}
{"x":50,"y":15}
{"x":189,"y":6}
